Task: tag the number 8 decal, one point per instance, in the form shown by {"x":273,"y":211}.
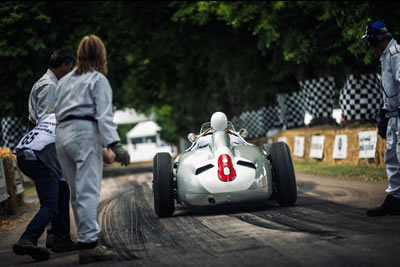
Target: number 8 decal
{"x":226,"y":172}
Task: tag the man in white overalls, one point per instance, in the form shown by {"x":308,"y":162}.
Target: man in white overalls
{"x":380,"y":39}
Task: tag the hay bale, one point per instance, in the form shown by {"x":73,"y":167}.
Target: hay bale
{"x":14,"y":202}
{"x":330,"y":132}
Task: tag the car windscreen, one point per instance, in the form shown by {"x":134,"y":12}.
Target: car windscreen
{"x":207,"y":125}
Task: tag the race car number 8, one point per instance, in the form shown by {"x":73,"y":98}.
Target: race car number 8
{"x":226,"y":172}
{"x":29,"y":138}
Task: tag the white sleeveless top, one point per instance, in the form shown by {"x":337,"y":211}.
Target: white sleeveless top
{"x":43,"y":134}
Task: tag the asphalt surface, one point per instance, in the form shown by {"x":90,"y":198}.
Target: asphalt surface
{"x":326,"y":227}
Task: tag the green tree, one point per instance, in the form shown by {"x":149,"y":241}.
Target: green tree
{"x":185,"y":60}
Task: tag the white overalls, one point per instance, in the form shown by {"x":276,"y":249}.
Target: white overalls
{"x":42,"y":96}
{"x":79,"y":142}
{"x":390,"y":63}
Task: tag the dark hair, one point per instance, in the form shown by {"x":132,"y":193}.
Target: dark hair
{"x":60,"y":57}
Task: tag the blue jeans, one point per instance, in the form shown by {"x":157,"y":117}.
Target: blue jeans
{"x":54,"y":198}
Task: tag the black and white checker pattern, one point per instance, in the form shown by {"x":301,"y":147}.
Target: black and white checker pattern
{"x":258,"y":122}
{"x":319,"y":95}
{"x":272,"y":117}
{"x":293,"y":107}
{"x":361,"y":97}
{"x":1,"y":135}
{"x":253,"y":123}
{"x":12,"y":129}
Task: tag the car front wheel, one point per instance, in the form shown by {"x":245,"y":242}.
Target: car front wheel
{"x":164,"y":203}
{"x":284,"y":175}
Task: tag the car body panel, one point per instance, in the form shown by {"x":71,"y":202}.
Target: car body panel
{"x":197,"y":178}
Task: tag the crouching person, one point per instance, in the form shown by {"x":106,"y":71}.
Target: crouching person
{"x":37,"y":159}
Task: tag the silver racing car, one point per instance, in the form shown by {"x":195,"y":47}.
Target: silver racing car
{"x":220,"y":167}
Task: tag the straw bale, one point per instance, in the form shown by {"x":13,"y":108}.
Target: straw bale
{"x":13,"y":204}
{"x":330,"y":132}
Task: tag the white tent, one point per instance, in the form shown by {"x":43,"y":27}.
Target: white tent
{"x":144,"y":142}
{"x":129,"y":116}
{"x":146,"y":128}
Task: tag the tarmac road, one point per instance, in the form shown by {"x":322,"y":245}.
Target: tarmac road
{"x":326,"y":227}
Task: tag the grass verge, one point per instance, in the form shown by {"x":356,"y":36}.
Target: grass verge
{"x":29,"y":189}
{"x":347,"y":171}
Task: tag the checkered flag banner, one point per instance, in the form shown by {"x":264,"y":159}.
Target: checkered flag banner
{"x":361,"y":97}
{"x":12,"y":130}
{"x":258,"y":122}
{"x":319,"y":95}
{"x":272,"y":117}
{"x":281,"y":99}
{"x":1,"y":135}
{"x":293,"y":107}
{"x":253,"y":123}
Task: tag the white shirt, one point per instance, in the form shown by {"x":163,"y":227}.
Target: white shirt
{"x":390,"y":63}
{"x":42,"y":95}
{"x":88,"y":94}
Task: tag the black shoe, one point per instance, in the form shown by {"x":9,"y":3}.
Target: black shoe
{"x":50,"y":237}
{"x":390,"y":206}
{"x":64,"y":245}
{"x":26,"y":247}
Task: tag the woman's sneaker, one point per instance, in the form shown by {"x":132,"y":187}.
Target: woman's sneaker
{"x":26,"y":247}
{"x":98,"y":253}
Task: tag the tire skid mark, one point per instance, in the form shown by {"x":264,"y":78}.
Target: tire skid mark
{"x":157,"y":230}
{"x":333,"y":215}
{"x":193,"y":231}
{"x":109,"y":238}
{"x":136,"y":226}
{"x":147,"y":212}
{"x":260,"y":223}
{"x":122,"y":217}
{"x":292,"y":223}
{"x":163,"y":226}
{"x":215,"y":233}
{"x":195,"y":220}
{"x":112,"y":228}
{"x":138,"y":217}
{"x":313,"y":218}
{"x":132,"y":208}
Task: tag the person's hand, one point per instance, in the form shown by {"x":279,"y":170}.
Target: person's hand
{"x":108,"y":155}
{"x":121,"y":154}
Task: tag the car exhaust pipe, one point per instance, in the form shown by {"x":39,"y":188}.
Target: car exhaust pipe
{"x":211,"y":200}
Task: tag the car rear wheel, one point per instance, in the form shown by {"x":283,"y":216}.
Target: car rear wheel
{"x":283,"y":174}
{"x":164,"y":203}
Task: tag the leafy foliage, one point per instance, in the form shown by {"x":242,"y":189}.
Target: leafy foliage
{"x":184,"y":60}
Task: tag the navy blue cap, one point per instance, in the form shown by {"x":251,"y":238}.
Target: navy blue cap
{"x":375,"y":28}
{"x":378,"y":25}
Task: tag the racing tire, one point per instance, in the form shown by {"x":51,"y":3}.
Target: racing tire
{"x":163,"y":190}
{"x":284,"y":175}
